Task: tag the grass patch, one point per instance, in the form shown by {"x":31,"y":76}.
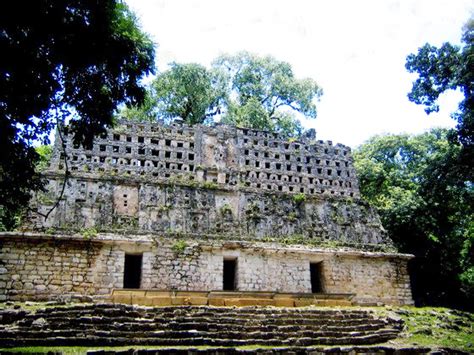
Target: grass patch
{"x":434,"y":327}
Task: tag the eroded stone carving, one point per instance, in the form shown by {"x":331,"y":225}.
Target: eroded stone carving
{"x":177,"y":178}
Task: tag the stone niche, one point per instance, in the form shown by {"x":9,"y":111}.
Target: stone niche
{"x":199,"y":208}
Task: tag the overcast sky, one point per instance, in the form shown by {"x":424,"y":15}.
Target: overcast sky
{"x":355,"y":50}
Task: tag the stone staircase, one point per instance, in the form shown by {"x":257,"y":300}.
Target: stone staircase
{"x":126,"y":325}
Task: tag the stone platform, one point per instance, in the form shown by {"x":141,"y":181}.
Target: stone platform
{"x":228,"y":299}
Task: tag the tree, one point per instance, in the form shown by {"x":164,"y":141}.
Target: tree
{"x":244,"y":90}
{"x":451,"y":176}
{"x":428,"y":210}
{"x":67,"y":58}
{"x":187,"y":91}
{"x":264,"y":93}
{"x":447,"y":68}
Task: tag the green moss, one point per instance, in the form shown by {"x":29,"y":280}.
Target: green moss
{"x":292,"y":216}
{"x":253,"y":211}
{"x":336,"y":216}
{"x":209,"y":185}
{"x":46,"y":199}
{"x":89,"y":233}
{"x":226,"y":210}
{"x":179,"y":247}
{"x":294,"y":239}
{"x":299,"y":198}
{"x":164,"y":208}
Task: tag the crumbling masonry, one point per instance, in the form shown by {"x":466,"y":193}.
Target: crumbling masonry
{"x":198,"y":208}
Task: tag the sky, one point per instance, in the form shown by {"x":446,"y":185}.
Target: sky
{"x":355,"y":50}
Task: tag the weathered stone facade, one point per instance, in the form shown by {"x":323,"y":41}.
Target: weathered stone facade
{"x":40,"y":266}
{"x":215,"y":181}
{"x":185,"y":199}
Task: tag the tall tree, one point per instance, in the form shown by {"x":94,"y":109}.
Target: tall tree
{"x":66,"y":58}
{"x":427,"y":209}
{"x":187,"y":91}
{"x":243,"y":89}
{"x":264,"y":93}
{"x":449,"y":67}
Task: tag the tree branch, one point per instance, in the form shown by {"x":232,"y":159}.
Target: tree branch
{"x":66,"y":176}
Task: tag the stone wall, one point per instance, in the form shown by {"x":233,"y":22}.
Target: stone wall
{"x":183,"y":199}
{"x":221,"y":154}
{"x":212,"y":181}
{"x":34,"y":267}
{"x":209,"y":212}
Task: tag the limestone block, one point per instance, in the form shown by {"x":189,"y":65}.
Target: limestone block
{"x":304,"y":302}
{"x":242,"y":302}
{"x":122,"y":298}
{"x":217,"y":302}
{"x":160,"y":301}
{"x":284,"y":302}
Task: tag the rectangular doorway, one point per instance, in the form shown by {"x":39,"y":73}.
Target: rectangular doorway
{"x":315,"y":271}
{"x":132,"y":273}
{"x":230,"y":274}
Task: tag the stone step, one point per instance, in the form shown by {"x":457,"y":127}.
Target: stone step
{"x":229,"y":312}
{"x":176,"y":311}
{"x":353,"y":350}
{"x":197,"y":331}
{"x":196,"y":341}
{"x":200,"y":315}
{"x":123,"y":307}
{"x":99,"y":322}
{"x":192,"y":326}
{"x":272,"y":327}
{"x":178,"y":334}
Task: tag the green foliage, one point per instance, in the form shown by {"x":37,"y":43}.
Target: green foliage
{"x":263,"y":93}
{"x":252,"y":211}
{"x":299,"y":198}
{"x":62,"y":59}
{"x":143,"y":112}
{"x":244,"y":90}
{"x":10,"y":219}
{"x":292,"y":216}
{"x":209,"y":185}
{"x":89,"y":233}
{"x":295,"y":239}
{"x":427,"y":206}
{"x":187,"y":91}
{"x":179,"y":247}
{"x":437,"y":327}
{"x":45,"y":152}
{"x":226,"y":210}
{"x":447,"y":68}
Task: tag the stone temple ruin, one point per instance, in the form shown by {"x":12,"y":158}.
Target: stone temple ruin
{"x":177,"y":208}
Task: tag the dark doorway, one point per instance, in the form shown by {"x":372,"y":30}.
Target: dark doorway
{"x":315,"y":271}
{"x":132,"y":271}
{"x":230,"y":270}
